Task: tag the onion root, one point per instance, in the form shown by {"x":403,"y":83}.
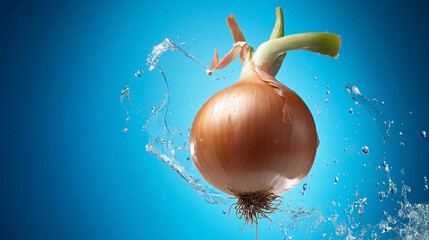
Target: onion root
{"x":255,"y":205}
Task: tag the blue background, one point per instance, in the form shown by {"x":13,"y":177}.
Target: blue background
{"x":68,"y":172}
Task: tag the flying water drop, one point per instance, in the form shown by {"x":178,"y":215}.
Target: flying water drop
{"x":304,"y":187}
{"x":365,"y":150}
{"x":138,"y":73}
{"x":426,"y":183}
{"x":383,"y":196}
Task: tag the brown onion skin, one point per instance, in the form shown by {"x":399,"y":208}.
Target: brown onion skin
{"x":239,"y":141}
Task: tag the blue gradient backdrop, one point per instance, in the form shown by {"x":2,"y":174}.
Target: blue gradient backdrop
{"x":68,"y":172}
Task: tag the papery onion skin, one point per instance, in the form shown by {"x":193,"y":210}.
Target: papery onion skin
{"x":240,"y":143}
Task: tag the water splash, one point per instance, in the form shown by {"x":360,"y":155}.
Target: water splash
{"x":161,"y":136}
{"x":409,"y":222}
{"x":168,"y":45}
{"x":375,"y":113}
{"x":296,"y":222}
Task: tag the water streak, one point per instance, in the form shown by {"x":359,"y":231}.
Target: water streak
{"x":375,"y":113}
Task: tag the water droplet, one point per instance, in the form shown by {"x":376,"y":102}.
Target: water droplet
{"x":351,"y":111}
{"x":328,"y":92}
{"x":377,"y":184}
{"x":382,"y":102}
{"x":382,"y":196}
{"x":326,"y":100}
{"x":400,"y":133}
{"x":384,"y":212}
{"x":304,"y":187}
{"x":335,"y":160}
{"x":423,"y":134}
{"x":128,"y":118}
{"x":125,"y":93}
{"x":315,"y":78}
{"x":153,"y":109}
{"x":378,"y":168}
{"x":124,"y":130}
{"x":402,"y":144}
{"x":365,"y":149}
{"x":411,"y":113}
{"x":315,"y":86}
{"x":361,"y":211}
{"x":138,"y":73}
{"x":193,"y":40}
{"x":385,"y":164}
{"x":183,"y":44}
{"x":336,"y":180}
{"x":363,"y":165}
{"x":401,"y":124}
{"x":224,"y":211}
{"x":345,"y":149}
{"x":374,"y":100}
{"x":426,"y":183}
{"x":178,"y":37}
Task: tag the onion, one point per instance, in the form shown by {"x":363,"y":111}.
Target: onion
{"x":257,"y":139}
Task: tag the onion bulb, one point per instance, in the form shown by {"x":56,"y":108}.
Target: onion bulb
{"x":257,"y":139}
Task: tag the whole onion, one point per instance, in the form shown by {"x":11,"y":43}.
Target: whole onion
{"x":257,"y":139}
